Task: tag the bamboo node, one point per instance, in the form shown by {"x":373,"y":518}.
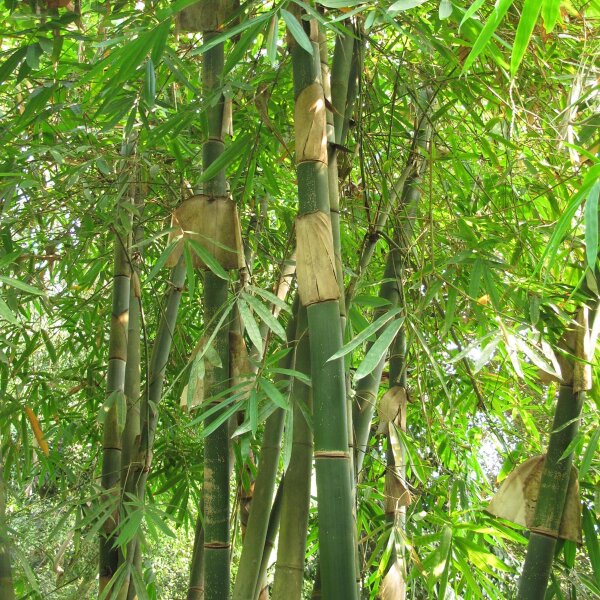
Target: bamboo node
{"x":217,"y":545}
{"x":331,"y":454}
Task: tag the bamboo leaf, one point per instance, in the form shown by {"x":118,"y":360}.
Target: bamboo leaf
{"x":272,"y":37}
{"x":208,"y":259}
{"x":150,"y":84}
{"x":378,"y":349}
{"x":470,"y":12}
{"x":20,"y":285}
{"x":270,"y":297}
{"x":487,"y":32}
{"x":571,"y":447}
{"x":253,"y":411}
{"x":564,"y":222}
{"x":162,"y":259}
{"x":7,"y":314}
{"x":234,"y":150}
{"x":590,"y":451}
{"x":250,"y":325}
{"x":591,"y":226}
{"x":445,"y":9}
{"x":405,"y":5}
{"x":273,"y":393}
{"x":266,"y":316}
{"x":529,"y":16}
{"x":366,"y":333}
{"x":591,"y":542}
{"x":297,"y":30}
{"x":550,"y":14}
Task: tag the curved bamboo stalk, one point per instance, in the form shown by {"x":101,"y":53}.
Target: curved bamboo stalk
{"x":319,"y":291}
{"x":248,"y":575}
{"x":115,"y":385}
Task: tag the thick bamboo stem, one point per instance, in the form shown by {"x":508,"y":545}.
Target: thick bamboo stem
{"x":334,"y":482}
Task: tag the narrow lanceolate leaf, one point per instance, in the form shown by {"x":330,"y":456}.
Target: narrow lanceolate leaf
{"x":208,"y":259}
{"x":270,"y":297}
{"x":366,"y":333}
{"x":273,"y":393}
{"x":20,"y":285}
{"x":590,"y":451}
{"x":162,"y":259}
{"x":405,"y":5}
{"x":591,"y":225}
{"x":550,"y":13}
{"x":564,"y":222}
{"x":250,"y":324}
{"x":296,"y":30}
{"x":272,"y":37}
{"x":378,"y":349}
{"x":266,"y":316}
{"x":487,"y":32}
{"x":233,"y":151}
{"x":6,"y":313}
{"x":529,"y":16}
{"x":475,"y":6}
{"x":150,"y":84}
{"x":591,"y":542}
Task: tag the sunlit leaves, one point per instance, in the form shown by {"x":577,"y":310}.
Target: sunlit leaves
{"x":531,"y":10}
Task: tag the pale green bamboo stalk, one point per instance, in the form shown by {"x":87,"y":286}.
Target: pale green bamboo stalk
{"x":7,"y":590}
{"x":262,"y":591}
{"x":115,"y":384}
{"x":291,"y":550}
{"x":248,"y":575}
{"x":334,"y":485}
{"x":196,"y":582}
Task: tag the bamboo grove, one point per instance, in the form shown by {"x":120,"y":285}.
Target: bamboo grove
{"x":299,"y":300}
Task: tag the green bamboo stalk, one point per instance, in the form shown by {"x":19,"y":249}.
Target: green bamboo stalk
{"x":216,"y":454}
{"x":132,"y":391}
{"x":291,"y":550}
{"x":248,"y":575}
{"x":334,"y":486}
{"x":7,"y":591}
{"x":196,"y":582}
{"x":115,"y":384}
{"x":216,"y":449}
{"x":551,"y":500}
{"x":262,"y":590}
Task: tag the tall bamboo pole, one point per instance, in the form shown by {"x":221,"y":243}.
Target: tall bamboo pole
{"x":7,"y":591}
{"x":319,"y":292}
{"x":216,"y":449}
{"x":115,"y":385}
{"x":291,"y":550}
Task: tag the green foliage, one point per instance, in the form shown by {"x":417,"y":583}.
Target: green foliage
{"x":99,"y":101}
